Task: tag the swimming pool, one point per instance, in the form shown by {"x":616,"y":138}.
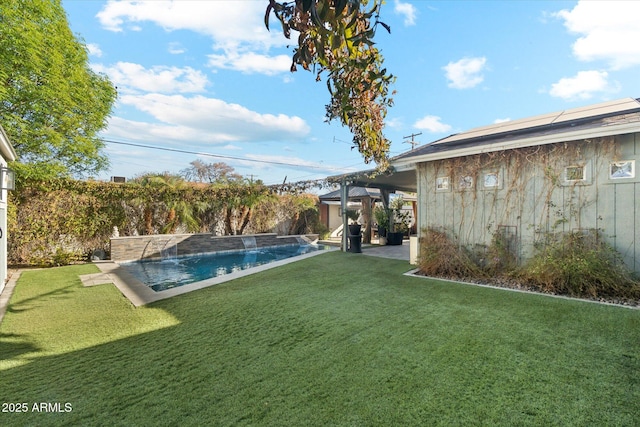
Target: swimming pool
{"x":161,"y":275}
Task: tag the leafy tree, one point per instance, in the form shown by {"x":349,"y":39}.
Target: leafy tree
{"x":243,"y":198}
{"x":52,"y":104}
{"x":169,"y":203}
{"x":219,"y":172}
{"x":336,"y":37}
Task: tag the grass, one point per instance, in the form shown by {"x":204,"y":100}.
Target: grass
{"x":338,"y":339}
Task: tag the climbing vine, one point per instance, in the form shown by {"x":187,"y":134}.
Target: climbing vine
{"x":526,"y":216}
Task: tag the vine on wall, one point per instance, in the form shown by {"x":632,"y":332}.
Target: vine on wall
{"x":537,"y":206}
{"x":532,"y":194}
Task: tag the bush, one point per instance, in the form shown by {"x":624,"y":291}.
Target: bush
{"x":501,"y":256}
{"x":444,"y":256}
{"x":580,"y":264}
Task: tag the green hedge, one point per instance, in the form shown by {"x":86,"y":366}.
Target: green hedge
{"x":62,"y":221}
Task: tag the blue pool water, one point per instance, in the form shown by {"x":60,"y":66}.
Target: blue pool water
{"x":167,"y":274}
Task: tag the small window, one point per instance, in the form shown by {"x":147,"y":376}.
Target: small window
{"x":623,"y":169}
{"x":491,"y":180}
{"x":575,"y":173}
{"x":442,"y":183}
{"x":465,"y":183}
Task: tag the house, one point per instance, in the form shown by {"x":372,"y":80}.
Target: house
{"x":525,"y":179}
{"x":7,"y":154}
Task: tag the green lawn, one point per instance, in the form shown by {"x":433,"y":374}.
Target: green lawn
{"x":337,"y":339}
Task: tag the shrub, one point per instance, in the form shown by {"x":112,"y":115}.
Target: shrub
{"x":501,"y":256}
{"x":580,"y":264}
{"x":444,"y":256}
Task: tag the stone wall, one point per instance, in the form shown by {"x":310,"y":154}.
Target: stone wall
{"x":155,"y":246}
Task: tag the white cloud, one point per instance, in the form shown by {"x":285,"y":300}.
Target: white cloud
{"x":608,"y":31}
{"x":94,"y":50}
{"x":176,"y":48}
{"x":432,"y":124}
{"x":130,"y":77}
{"x":496,"y":121}
{"x":221,"y":20}
{"x":408,"y":10}
{"x":202,"y":120}
{"x":465,"y":73}
{"x":583,"y":85}
{"x":251,"y":62}
{"x":393,"y":123}
{"x":237,"y":30}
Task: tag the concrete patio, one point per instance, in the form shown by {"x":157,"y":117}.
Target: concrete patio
{"x":400,"y":252}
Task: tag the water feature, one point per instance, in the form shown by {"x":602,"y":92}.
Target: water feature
{"x":249,"y":242}
{"x":162,"y":247}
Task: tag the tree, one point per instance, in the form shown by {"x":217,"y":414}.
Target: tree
{"x":219,"y":172}
{"x":336,"y":37}
{"x":52,"y":104}
{"x":169,"y":204}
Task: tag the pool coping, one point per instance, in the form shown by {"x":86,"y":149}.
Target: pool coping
{"x":140,"y":294}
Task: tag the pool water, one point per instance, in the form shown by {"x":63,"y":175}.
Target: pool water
{"x":165,"y":274}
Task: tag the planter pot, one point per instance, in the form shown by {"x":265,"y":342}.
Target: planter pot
{"x":382,"y":232}
{"x":354,"y":229}
{"x":394,"y":238}
{"x":382,"y":241}
{"x":355,"y":244}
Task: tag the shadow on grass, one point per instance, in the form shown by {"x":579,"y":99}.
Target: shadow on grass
{"x":36,"y":301}
{"x":13,"y":345}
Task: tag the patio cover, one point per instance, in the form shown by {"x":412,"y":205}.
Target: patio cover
{"x":395,"y":179}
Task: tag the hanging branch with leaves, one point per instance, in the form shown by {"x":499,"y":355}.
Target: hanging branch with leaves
{"x":336,"y":37}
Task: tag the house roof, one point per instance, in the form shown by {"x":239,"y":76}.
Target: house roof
{"x":598,"y":120}
{"x":610,"y":118}
{"x":6,"y":149}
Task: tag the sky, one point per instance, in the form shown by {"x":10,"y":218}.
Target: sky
{"x":205,"y":80}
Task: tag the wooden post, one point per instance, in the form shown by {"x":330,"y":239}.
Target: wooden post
{"x":366,"y":214}
{"x":385,"y":203}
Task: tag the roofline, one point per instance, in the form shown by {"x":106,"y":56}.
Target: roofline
{"x":410,"y":162}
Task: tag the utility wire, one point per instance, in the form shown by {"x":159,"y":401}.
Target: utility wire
{"x":221,"y":156}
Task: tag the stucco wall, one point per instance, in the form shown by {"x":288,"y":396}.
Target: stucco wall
{"x":533,"y":196}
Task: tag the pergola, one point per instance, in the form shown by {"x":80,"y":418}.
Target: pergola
{"x":388,"y":182}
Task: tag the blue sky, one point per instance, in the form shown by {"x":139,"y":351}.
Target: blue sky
{"x":207,"y":77}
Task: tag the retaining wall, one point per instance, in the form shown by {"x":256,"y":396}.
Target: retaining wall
{"x":152,"y":246}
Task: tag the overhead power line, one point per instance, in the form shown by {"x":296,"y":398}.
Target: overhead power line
{"x":220,"y":156}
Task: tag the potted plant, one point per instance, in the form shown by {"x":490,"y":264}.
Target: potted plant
{"x":354,"y":227}
{"x":381,"y":215}
{"x":400,"y":218}
{"x":355,"y":238}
